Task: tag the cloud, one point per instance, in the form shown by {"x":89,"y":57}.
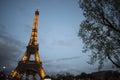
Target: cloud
{"x":60,"y":65}
{"x":62,"y":59}
{"x":63,"y":42}
{"x":10,"y":49}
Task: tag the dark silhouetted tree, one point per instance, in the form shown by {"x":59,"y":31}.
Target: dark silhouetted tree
{"x":100,"y":31}
{"x":83,"y":75}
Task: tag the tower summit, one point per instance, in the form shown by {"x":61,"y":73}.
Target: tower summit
{"x":26,"y":66}
{"x":37,"y":12}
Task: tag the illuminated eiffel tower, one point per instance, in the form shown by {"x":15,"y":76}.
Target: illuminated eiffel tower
{"x":27,"y":67}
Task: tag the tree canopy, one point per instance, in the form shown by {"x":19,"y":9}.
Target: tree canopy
{"x":100,"y":31}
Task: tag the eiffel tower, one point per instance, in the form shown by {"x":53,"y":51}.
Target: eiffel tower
{"x":27,"y":67}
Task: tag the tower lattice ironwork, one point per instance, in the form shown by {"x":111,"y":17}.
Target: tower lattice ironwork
{"x":27,"y":67}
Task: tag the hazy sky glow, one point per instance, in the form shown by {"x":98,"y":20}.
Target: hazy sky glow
{"x":59,"y":20}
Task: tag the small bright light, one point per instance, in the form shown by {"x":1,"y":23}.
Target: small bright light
{"x":4,"y":67}
{"x":47,"y":78}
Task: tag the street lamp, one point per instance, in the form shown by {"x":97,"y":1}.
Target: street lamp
{"x":4,"y":68}
{"x":47,"y":78}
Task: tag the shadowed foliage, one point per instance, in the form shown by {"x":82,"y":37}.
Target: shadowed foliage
{"x":100,"y":31}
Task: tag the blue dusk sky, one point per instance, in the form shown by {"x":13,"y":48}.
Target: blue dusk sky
{"x":60,"y":47}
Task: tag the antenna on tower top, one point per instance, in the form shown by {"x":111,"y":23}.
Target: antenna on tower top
{"x":37,"y":12}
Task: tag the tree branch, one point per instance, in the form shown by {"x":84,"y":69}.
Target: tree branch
{"x":117,"y":65}
{"x":110,"y":25}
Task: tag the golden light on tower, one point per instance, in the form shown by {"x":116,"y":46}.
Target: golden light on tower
{"x":27,"y":66}
{"x":42,"y":73}
{"x":24,"y":58}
